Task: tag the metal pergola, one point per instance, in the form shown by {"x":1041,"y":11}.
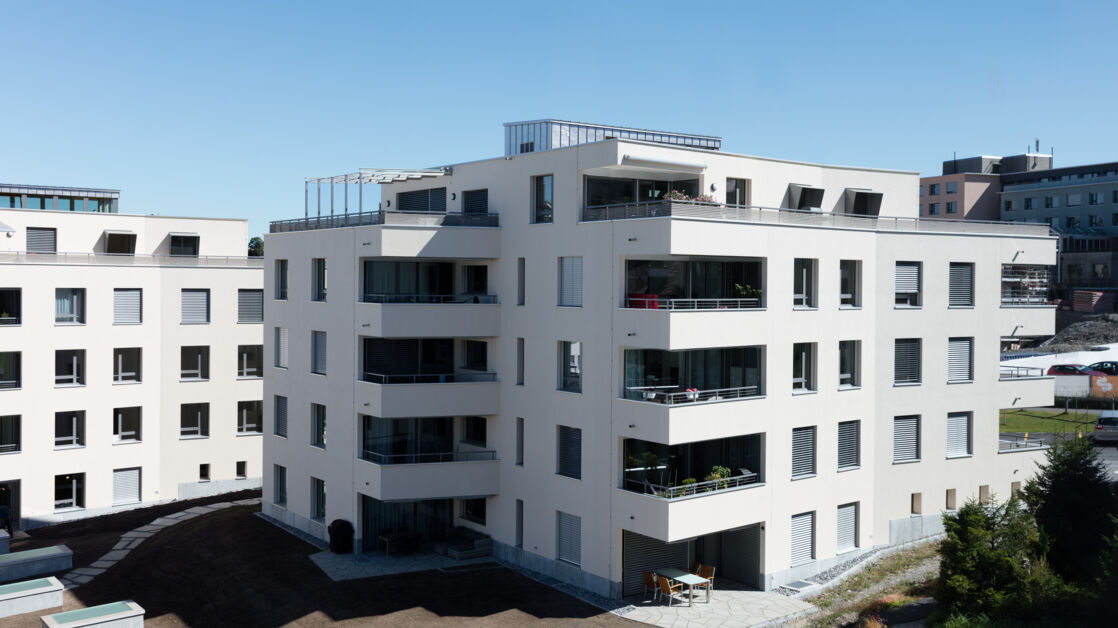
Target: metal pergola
{"x":361,"y":177}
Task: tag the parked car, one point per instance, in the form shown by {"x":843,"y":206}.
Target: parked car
{"x":1110,"y":368}
{"x":1072,"y":369}
{"x":1106,"y":427}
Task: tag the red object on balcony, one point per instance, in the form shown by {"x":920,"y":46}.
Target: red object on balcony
{"x":644,"y":301}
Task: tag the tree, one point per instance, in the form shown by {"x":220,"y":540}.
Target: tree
{"x":256,"y":247}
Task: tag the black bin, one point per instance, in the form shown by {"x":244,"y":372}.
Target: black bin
{"x":341,"y":536}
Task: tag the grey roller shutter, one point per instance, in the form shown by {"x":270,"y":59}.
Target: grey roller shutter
{"x":906,"y":438}
{"x":475,"y":202}
{"x":907,"y":279}
{"x":847,"y":527}
{"x":195,"y":306}
{"x":281,"y":416}
{"x":126,"y":486}
{"x":127,"y":305}
{"x":41,"y":240}
{"x":959,"y":359}
{"x":640,"y":553}
{"x":318,"y":352}
{"x":803,"y":451}
{"x":433,"y":200}
{"x":803,"y":538}
{"x":570,"y":451}
{"x":958,"y":434}
{"x":906,"y":360}
{"x":568,"y":534}
{"x":570,"y":281}
{"x":961,"y":288}
{"x":250,"y":306}
{"x":281,"y":347}
{"x":849,"y":448}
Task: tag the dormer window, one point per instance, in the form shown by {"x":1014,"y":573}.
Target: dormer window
{"x":185,"y":244}
{"x":120,"y":243}
{"x":862,"y":202}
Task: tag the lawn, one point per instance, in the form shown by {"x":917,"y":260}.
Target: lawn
{"x":1045,"y":421}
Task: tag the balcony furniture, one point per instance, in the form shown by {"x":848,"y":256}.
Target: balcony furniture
{"x":692,"y":394}
{"x":651,"y":586}
{"x":707,"y":572}
{"x":644,"y":301}
{"x":748,"y":477}
{"x":682,"y":578}
{"x":463,"y":543}
{"x":670,"y":590}
{"x":695,"y":567}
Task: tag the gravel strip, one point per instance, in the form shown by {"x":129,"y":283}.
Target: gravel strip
{"x":826,"y":576}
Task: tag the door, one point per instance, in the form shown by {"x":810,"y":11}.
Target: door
{"x":640,"y":553}
{"x":9,"y":496}
{"x":741,"y":555}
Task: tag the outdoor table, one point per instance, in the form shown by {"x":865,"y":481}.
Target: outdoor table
{"x":687,"y":578}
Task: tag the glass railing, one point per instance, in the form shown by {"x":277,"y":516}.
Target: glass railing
{"x":376,"y":297}
{"x":428,"y":378}
{"x":386,"y":217}
{"x":670,"y":394}
{"x":745,"y":478}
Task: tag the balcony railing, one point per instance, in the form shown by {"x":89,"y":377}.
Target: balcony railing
{"x":386,"y":217}
{"x":778,"y":215}
{"x":653,"y":302}
{"x":7,"y":448}
{"x":1019,"y":372}
{"x":9,"y":383}
{"x":429,"y":378}
{"x":372,"y":297}
{"x":672,"y":395}
{"x":1013,"y":442}
{"x":698,"y":488}
{"x":422,"y":458}
{"x":109,"y":259}
{"x":9,"y":320}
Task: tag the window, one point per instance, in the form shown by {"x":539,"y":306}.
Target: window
{"x":126,"y":486}
{"x":916,"y":503}
{"x":959,"y":434}
{"x":318,"y":425}
{"x":476,"y":279}
{"x":41,"y":240}
{"x":250,"y":361}
{"x":318,"y":279}
{"x":907,"y":284}
{"x":952,"y":187}
{"x":184,"y":244}
{"x":1071,"y":221}
{"x":850,"y":280}
{"x":542,"y":199}
{"x":318,"y":352}
{"x":933,"y":209}
{"x":1094,"y":221}
{"x":128,"y":308}
{"x":9,"y":370}
{"x":69,"y":367}
{"x":960,"y":291}
{"x":803,"y":452}
{"x":473,"y":430}
{"x":738,"y":192}
{"x":281,"y":347}
{"x":69,"y":306}
{"x":570,"y":366}
{"x":1030,"y":203}
{"x":803,"y":367}
{"x":803,"y":287}
{"x":850,"y":375}
{"x":1114,"y":196}
{"x":950,"y":499}
{"x":431,"y":201}
{"x":195,"y":307}
{"x":906,"y":361}
{"x":9,"y":434}
{"x":69,"y":429}
{"x":194,"y":364}
{"x":127,"y":425}
{"x":250,"y":417}
{"x":250,"y":306}
{"x":11,"y":303}
{"x":318,"y":500}
{"x":1075,"y":200}
{"x":242,"y":469}
{"x":847,"y":527}
{"x":984,"y":494}
{"x":570,"y":452}
{"x":520,"y":281}
{"x":906,"y":438}
{"x":933,"y":189}
{"x":519,"y":361}
{"x":1051,"y":202}
{"x":204,"y":472}
{"x":69,"y":491}
{"x":1114,"y":219}
{"x":570,"y":281}
{"x":281,"y":280}
{"x":568,"y":538}
{"x":1008,"y":205}
{"x":952,"y":207}
{"x":280,"y":419}
{"x":194,"y":420}
{"x":279,"y":485}
{"x":849,"y":445}
{"x":520,"y":441}
{"x":475,"y":355}
{"x":474,"y":510}
{"x":1094,"y":198}
{"x":1015,"y":488}
{"x":960,"y":365}
{"x":803,"y":538}
{"x":519,"y":523}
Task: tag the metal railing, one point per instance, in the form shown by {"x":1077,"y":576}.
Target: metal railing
{"x":386,"y":217}
{"x":7,"y":448}
{"x":9,"y":383}
{"x":671,"y":395}
{"x":374,"y":297}
{"x":9,"y":320}
{"x":779,"y":215}
{"x":1025,"y":285}
{"x":1019,"y":372}
{"x":429,"y":378}
{"x":107,"y":259}
{"x":1010,"y":442}
{"x":690,"y":490}
{"x":426,"y":458}
{"x":656,"y":303}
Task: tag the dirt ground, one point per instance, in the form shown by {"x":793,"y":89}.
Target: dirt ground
{"x":231,"y":568}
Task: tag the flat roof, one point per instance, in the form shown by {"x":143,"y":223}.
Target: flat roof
{"x":56,"y":190}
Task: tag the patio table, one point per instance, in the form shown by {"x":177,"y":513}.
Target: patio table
{"x":687,"y":578}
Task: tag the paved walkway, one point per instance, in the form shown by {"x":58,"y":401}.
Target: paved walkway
{"x":340,"y":567}
{"x":131,"y":540}
{"x":726,"y":609}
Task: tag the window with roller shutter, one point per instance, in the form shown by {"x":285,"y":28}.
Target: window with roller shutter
{"x":422,"y":201}
{"x":475,"y":202}
{"x":846,"y":525}
{"x":281,"y":347}
{"x":803,"y":538}
{"x":568,"y":538}
{"x":280,"y":420}
{"x":127,"y":306}
{"x":906,"y":361}
{"x":959,"y":434}
{"x":195,"y":306}
{"x":960,"y":284}
{"x":803,"y":452}
{"x":570,"y":452}
{"x":250,"y":306}
{"x":570,"y":281}
{"x":318,"y":352}
{"x":907,"y":284}
{"x":126,"y":486}
{"x":42,"y":240}
{"x":960,"y":365}
{"x":849,"y":445}
{"x":906,"y":438}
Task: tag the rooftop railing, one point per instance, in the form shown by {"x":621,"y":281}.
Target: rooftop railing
{"x":369,"y":297}
{"x":1040,"y":185}
{"x":386,"y":217}
{"x":113,"y":259}
{"x":429,"y":378}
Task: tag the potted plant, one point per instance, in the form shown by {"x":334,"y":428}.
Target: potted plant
{"x":688,"y":486}
{"x":720,"y":474}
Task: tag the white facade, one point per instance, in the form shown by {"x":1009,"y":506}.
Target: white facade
{"x":642,"y":435}
{"x":95,"y":432}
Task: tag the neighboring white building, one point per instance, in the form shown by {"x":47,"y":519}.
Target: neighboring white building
{"x":565,"y":376}
{"x":130,"y":359}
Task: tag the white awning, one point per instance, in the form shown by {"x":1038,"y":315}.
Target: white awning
{"x":6,"y":229}
{"x":119,"y":232}
{"x":383,"y":175}
{"x":189,"y":234}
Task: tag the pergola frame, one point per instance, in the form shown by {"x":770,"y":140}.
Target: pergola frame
{"x":361,"y":177}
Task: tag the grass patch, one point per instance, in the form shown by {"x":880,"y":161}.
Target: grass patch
{"x":847,"y":596}
{"x":1045,"y":421}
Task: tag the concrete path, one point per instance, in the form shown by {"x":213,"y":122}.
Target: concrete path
{"x":726,"y":609}
{"x":131,"y":540}
{"x":340,"y":567}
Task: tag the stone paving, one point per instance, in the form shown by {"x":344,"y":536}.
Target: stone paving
{"x":131,"y":540}
{"x":340,"y":567}
{"x":727,"y":608}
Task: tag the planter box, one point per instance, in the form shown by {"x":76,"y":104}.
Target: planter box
{"x":116,"y":614}
{"x":32,"y":595}
{"x":31,"y":563}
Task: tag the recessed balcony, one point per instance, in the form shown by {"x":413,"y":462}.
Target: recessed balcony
{"x":695,"y":376}
{"x":426,"y":377}
{"x":694,"y":284}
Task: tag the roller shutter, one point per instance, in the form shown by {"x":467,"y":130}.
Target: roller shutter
{"x":127,"y":305}
{"x":126,"y":486}
{"x":847,"y":526}
{"x":640,"y":553}
{"x":570,"y":451}
{"x":281,"y":347}
{"x":803,"y":451}
{"x":569,"y":537}
{"x":803,"y":538}
{"x":424,"y":201}
{"x":906,"y":360}
{"x":906,"y":438}
{"x":475,"y":202}
{"x":958,"y":434}
{"x":41,"y":240}
{"x":318,"y":352}
{"x":250,"y":306}
{"x":907,"y":279}
{"x":961,"y":289}
{"x":281,"y":416}
{"x":849,"y":449}
{"x":959,"y":359}
{"x":195,"y":306}
{"x":570,"y":281}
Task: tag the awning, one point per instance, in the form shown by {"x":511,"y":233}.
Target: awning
{"x":383,"y":175}
{"x":6,"y":229}
{"x":862,"y":201}
{"x":803,"y":196}
{"x":188,"y":234}
{"x":119,"y":232}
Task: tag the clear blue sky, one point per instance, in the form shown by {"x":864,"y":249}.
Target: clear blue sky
{"x":221,"y":108}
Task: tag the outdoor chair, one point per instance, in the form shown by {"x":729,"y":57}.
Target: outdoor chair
{"x":650,"y":585}
{"x":670,"y":590}
{"x":695,"y":567}
{"x":706,"y":571}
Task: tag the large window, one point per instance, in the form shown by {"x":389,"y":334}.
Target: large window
{"x":803,"y":452}
{"x":738,"y":192}
{"x":250,"y":306}
{"x":803,"y":367}
{"x":570,"y":366}
{"x":389,"y":281}
{"x":1024,"y":285}
{"x":803,"y":283}
{"x":69,"y":306}
{"x":476,"y":355}
{"x":128,"y":306}
{"x":11,"y":306}
{"x":250,"y":417}
{"x":318,"y":279}
{"x":10,"y":376}
{"x":959,"y":434}
{"x":849,"y":445}
{"x":906,"y":361}
{"x":69,"y":367}
{"x":569,"y":452}
{"x":281,"y":279}
{"x":474,"y":430}
{"x":127,"y":425}
{"x":960,"y":364}
{"x":250,"y":361}
{"x":318,"y":352}
{"x":423,"y":201}
{"x":960,"y":291}
{"x":195,"y":306}
{"x":570,"y":281}
{"x":568,"y":538}
{"x":475,"y":201}
{"x":69,"y":491}
{"x":194,"y":420}
{"x":906,"y":438}
{"x":194,"y":363}
{"x":9,"y":434}
{"x":850,"y":283}
{"x":850,"y":367}
{"x":318,"y":425}
{"x":184,"y":244}
{"x":69,"y":429}
{"x":907,"y":284}
{"x":474,"y":510}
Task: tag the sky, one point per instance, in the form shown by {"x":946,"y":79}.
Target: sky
{"x":223,"y":108}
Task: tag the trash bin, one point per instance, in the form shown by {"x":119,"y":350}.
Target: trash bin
{"x":341,"y":536}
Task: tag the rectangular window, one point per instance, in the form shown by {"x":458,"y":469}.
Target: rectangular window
{"x":431,"y":201}
{"x":476,"y":355}
{"x":69,"y":367}
{"x":850,"y":375}
{"x":960,"y":291}
{"x":1071,"y":221}
{"x":803,"y":284}
{"x":952,"y":187}
{"x":519,"y":361}
{"x":194,"y":364}
{"x":984,"y":494}
{"x":9,"y":434}
{"x":933,"y":189}
{"x":281,"y":280}
{"x":543,"y":199}
{"x":570,"y":366}
{"x":318,"y":425}
{"x":10,"y":376}
{"x":128,"y":306}
{"x":568,"y":535}
{"x":1008,"y":205}
{"x":916,"y":503}
{"x":952,"y":207}
{"x":847,"y":528}
{"x":204,"y":472}
{"x":279,"y":485}
{"x":570,"y":281}
{"x":960,"y":364}
{"x":318,"y":352}
{"x":195,"y":307}
{"x":739,"y":192}
{"x":933,"y":209}
{"x":69,"y":491}
{"x":803,"y":452}
{"x":280,"y":419}
{"x":250,"y":417}
{"x":242,"y":469}
{"x":474,"y":510}
{"x":69,"y":429}
{"x":318,"y":279}
{"x":127,"y":425}
{"x":250,"y":306}
{"x":473,"y":430}
{"x":803,"y":538}
{"x":184,"y":245}
{"x":850,"y":280}
{"x":281,"y":347}
{"x":906,"y":438}
{"x":475,"y":201}
{"x":959,"y":434}
{"x":906,"y":361}
{"x":1024,"y":284}
{"x":194,"y":420}
{"x":950,"y":499}
{"x":1075,"y":200}
{"x":520,"y":441}
{"x":569,"y":452}
{"x":250,"y":361}
{"x":849,"y":445}
{"x":1094,"y":198}
{"x":803,"y":367}
{"x":69,"y":306}
{"x":42,"y":240}
{"x":520,"y":523}
{"x":520,"y":281}
{"x":1030,"y":203}
{"x":1051,"y":202}
{"x":126,"y":486}
{"x":318,"y":500}
{"x":11,"y":306}
{"x":907,"y":284}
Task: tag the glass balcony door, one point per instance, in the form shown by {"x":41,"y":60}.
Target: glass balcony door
{"x":408,"y":441}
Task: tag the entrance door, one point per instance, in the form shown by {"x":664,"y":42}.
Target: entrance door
{"x":9,"y":496}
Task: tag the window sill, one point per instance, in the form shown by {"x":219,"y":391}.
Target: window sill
{"x":69,"y":385}
{"x":960,"y":381}
{"x":249,"y":377}
{"x":907,"y":307}
{"x":849,"y":387}
{"x":196,"y":379}
{"x":850,"y":307}
{"x":913,"y":461}
{"x":280,"y":505}
{"x":65,"y":447}
{"x":6,"y":389}
{"x":570,"y":306}
{"x":564,"y":475}
{"x":241,"y":477}
{"x":240,"y":434}
{"x":321,"y":446}
{"x":961,"y":456}
{"x":282,"y":368}
{"x":804,"y":308}
{"x":960,"y":307}
{"x":280,"y":435}
{"x":804,"y":392}
{"x":317,"y":373}
{"x":906,"y":384}
{"x":8,"y":453}
{"x":806,"y":476}
{"x":199,"y":323}
{"x":193,"y":437}
{"x":128,"y":382}
{"x":250,"y":322}
{"x":573,"y":392}
{"x":71,"y":509}
{"x":127,"y":442}
{"x":845,"y":469}
{"x":127,"y":324}
{"x":206,"y":481}
{"x":58,"y":324}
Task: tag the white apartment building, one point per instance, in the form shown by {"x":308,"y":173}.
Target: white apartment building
{"x":555,"y":348}
{"x":130,"y":357}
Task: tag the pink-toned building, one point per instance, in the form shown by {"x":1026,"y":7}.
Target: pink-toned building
{"x":966,"y":195}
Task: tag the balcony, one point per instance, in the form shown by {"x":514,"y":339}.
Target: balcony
{"x":1023,"y":387}
{"x":386,"y":217}
{"x":693,"y":377}
{"x":418,"y":377}
{"x":689,"y":285}
{"x":421,"y":316}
